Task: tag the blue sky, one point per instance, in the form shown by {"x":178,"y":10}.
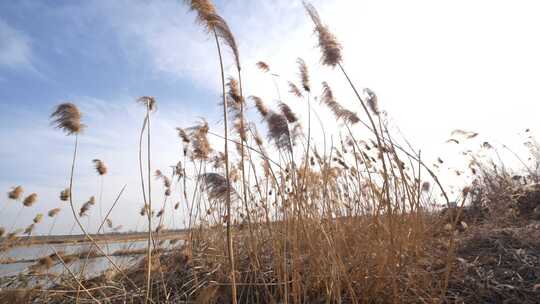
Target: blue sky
{"x":435,"y":65}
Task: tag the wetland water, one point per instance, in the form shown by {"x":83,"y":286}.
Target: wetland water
{"x":21,"y":259}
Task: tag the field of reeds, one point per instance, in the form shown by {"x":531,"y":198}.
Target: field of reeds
{"x":286,"y":218}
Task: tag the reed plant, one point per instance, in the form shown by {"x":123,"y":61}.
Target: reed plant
{"x":281,"y":218}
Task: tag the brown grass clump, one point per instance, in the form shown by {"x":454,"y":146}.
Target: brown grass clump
{"x":30,"y":200}
{"x":15,"y":193}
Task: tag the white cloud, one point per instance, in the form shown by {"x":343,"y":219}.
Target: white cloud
{"x":15,"y":47}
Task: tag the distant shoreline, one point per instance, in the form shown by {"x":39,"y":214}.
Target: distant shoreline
{"x":81,"y":238}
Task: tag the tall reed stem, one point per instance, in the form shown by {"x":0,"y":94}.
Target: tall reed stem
{"x":228,"y":197}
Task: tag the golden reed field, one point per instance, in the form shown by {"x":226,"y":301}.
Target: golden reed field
{"x":283,"y":218}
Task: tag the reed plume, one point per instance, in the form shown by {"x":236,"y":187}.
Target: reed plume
{"x":278,"y":130}
{"x":233,"y":93}
{"x":64,"y":195}
{"x":263,"y":66}
{"x":372,"y":102}
{"x":217,"y":187}
{"x":339,"y":112}
{"x":86,"y":206}
{"x":28,"y":230}
{"x":304,"y":75}
{"x":100,"y":167}
{"x":144,"y":210}
{"x":260,"y":106}
{"x":15,"y":193}
{"x":30,"y":200}
{"x":208,"y":17}
{"x":67,"y":118}
{"x":203,"y":8}
{"x":293,"y":89}
{"x":201,"y":148}
{"x":2,"y":231}
{"x":221,"y":29}
{"x":38,"y":218}
{"x":183,"y":135}
{"x":330,"y":47}
{"x":149,"y":102}
{"x":53,"y":212}
{"x":288,"y":113}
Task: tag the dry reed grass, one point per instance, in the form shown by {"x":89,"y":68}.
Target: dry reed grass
{"x":353,"y":224}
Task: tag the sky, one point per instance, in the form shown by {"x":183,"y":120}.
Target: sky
{"x":435,"y":66}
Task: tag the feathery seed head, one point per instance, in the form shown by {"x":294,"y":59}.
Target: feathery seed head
{"x":149,"y":102}
{"x":199,"y":141}
{"x":64,"y":195}
{"x":53,"y":212}
{"x":288,"y":113}
{"x":234,"y":91}
{"x":183,"y":135}
{"x":278,"y":130}
{"x":263,"y":66}
{"x":330,"y":47}
{"x":100,"y":167}
{"x":67,"y":118}
{"x":29,"y":229}
{"x":38,"y":218}
{"x":339,"y":112}
{"x":295,"y":90}
{"x":304,"y":75}
{"x":30,"y":200}
{"x":15,"y":193}
{"x":86,"y":206}
{"x":372,"y":102}
{"x":260,"y":106}
{"x":203,"y":8}
{"x":217,"y":187}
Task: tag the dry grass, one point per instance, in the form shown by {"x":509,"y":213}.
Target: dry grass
{"x":278,"y":222}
